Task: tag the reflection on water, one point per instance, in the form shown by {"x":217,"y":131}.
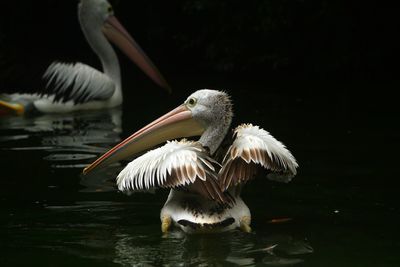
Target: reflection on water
{"x":179,"y":249}
{"x":63,"y":136}
{"x":70,"y":141}
{"x":129,"y":235}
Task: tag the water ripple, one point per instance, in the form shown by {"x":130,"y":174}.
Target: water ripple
{"x":64,"y":141}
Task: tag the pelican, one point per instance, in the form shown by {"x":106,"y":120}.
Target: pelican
{"x":204,"y":192}
{"x":78,"y":86}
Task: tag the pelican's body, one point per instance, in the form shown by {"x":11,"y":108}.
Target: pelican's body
{"x":78,"y":86}
{"x":205,"y":192}
{"x":194,"y":213}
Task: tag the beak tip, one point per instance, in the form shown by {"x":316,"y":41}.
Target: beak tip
{"x":85,"y":170}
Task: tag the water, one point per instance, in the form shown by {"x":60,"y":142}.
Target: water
{"x":341,"y":209}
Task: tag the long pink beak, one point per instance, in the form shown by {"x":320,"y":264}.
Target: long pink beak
{"x":176,"y":123}
{"x":116,"y":33}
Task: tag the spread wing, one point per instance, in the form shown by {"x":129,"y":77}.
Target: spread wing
{"x":78,"y":82}
{"x":254,"y":147}
{"x":178,"y":164}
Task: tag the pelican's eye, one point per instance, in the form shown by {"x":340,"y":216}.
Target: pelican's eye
{"x":191,"y":102}
{"x":110,"y":9}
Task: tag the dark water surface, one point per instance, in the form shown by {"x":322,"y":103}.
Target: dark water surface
{"x":342,"y":206}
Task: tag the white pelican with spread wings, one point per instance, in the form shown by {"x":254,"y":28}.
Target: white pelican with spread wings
{"x":204,"y":192}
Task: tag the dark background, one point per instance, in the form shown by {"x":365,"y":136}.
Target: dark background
{"x":272,"y":41}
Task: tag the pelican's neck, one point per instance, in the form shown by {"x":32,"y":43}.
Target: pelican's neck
{"x":215,"y":134}
{"x":105,"y":52}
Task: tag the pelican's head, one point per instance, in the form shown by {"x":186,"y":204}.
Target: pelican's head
{"x":210,"y":107}
{"x":96,"y":11}
{"x":204,"y":110}
{"x":97,"y":18}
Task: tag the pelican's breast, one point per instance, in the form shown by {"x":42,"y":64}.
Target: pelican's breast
{"x":195,"y":213}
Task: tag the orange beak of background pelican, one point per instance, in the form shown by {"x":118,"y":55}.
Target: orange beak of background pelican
{"x":175,"y":124}
{"x":116,"y":33}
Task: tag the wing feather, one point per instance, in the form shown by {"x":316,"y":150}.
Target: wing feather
{"x":230,"y":172}
{"x":251,"y":148}
{"x":78,"y":82}
{"x":178,"y":164}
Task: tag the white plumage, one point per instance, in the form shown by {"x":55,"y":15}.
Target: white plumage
{"x":255,"y":145}
{"x":178,"y":163}
{"x":84,"y":82}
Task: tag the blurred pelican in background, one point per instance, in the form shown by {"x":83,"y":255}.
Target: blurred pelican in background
{"x":77,"y":86}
